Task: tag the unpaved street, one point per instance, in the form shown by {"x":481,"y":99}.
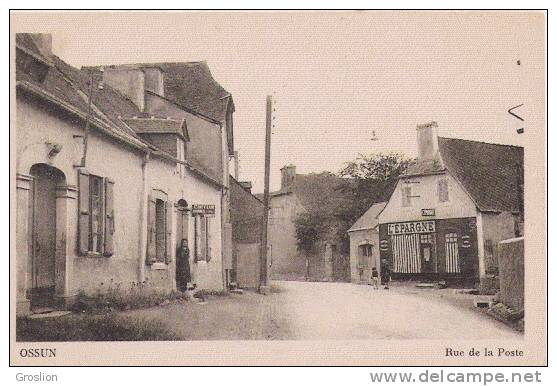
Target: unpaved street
{"x":306,"y":310}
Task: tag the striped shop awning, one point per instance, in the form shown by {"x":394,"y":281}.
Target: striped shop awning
{"x":406,"y":253}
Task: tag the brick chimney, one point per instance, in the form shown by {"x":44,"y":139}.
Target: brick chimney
{"x":288,"y":175}
{"x":428,"y":145}
{"x":246,"y":185}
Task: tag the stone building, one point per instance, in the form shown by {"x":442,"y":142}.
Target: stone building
{"x":188,"y":92}
{"x":105,"y":191}
{"x":451,"y":208}
{"x":364,"y":245}
{"x":299,"y":193}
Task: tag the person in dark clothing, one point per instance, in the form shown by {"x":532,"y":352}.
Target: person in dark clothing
{"x":183,"y":274}
{"x":385,"y":274}
{"x":375,"y":278}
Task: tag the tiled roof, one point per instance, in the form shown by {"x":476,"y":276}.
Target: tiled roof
{"x":490,"y":173}
{"x":193,"y":86}
{"x":369,"y":218}
{"x":190,"y":85}
{"x":315,"y":190}
{"x":157,"y":125}
{"x":71,"y":86}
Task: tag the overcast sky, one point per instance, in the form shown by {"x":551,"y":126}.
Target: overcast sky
{"x":336,"y":76}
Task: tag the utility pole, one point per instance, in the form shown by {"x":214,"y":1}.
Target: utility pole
{"x":263,"y":276}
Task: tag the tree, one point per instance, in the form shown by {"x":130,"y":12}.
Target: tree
{"x":372,"y":179}
{"x":340,"y":200}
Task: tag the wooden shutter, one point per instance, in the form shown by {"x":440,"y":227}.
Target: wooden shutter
{"x":151,"y":231}
{"x":84,"y":212}
{"x":109,"y":226}
{"x":200,"y":239}
{"x":168,"y":235}
{"x":207,"y":240}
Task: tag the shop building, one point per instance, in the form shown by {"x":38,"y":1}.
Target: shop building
{"x":451,"y":208}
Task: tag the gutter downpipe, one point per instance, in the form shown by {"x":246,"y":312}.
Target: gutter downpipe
{"x":143,"y":218}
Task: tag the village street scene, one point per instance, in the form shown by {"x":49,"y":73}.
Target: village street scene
{"x":325,"y":191}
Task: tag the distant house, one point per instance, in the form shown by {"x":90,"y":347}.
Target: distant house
{"x":247,"y":220}
{"x":299,"y":193}
{"x":115,"y":218}
{"x":450,"y":209}
{"x":364,"y":245}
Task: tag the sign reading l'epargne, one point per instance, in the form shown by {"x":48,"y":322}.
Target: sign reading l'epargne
{"x":207,"y":209}
{"x":402,"y":228}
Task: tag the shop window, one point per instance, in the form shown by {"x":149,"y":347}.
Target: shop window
{"x":96,"y":215}
{"x":202,"y":238}
{"x":407,"y":196}
{"x":443,"y":190}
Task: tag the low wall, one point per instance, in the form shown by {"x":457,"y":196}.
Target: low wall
{"x":510,"y":254}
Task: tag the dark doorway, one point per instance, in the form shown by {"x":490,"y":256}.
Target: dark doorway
{"x":427,"y":253}
{"x":43,"y":235}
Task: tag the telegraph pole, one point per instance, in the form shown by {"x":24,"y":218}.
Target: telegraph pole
{"x":263,"y":275}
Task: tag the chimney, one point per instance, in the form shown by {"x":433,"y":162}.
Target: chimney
{"x":288,"y":175}
{"x":130,"y":81}
{"x":246,"y":185}
{"x":43,"y":42}
{"x":428,"y":146}
{"x":154,"y":80}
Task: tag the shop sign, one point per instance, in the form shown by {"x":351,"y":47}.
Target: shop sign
{"x":402,"y":228}
{"x":205,"y":209}
{"x":384,"y":245}
{"x":428,"y":212}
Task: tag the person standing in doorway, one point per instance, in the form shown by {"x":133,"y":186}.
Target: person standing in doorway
{"x":375,"y":278}
{"x":183,"y":273}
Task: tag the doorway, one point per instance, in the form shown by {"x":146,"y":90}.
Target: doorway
{"x":43,"y":235}
{"x":427,"y":253}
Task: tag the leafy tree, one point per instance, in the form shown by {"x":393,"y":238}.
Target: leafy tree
{"x":340,"y":201}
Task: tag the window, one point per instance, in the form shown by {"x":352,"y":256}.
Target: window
{"x":366,"y":252}
{"x":96,"y":215}
{"x":443,"y":190}
{"x":406,"y":196}
{"x":202,"y":235}
{"x":159,"y":249}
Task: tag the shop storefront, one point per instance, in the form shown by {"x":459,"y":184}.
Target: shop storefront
{"x":444,"y":249}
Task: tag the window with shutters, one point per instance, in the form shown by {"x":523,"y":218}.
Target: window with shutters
{"x":443,"y":190}
{"x":96,"y":215}
{"x":406,"y":196}
{"x":202,"y":236}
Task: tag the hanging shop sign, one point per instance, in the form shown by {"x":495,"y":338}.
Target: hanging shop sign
{"x":402,"y":228}
{"x":205,"y":209}
{"x":384,"y":245}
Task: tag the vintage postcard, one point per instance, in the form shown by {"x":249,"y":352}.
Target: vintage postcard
{"x":278,"y":188}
